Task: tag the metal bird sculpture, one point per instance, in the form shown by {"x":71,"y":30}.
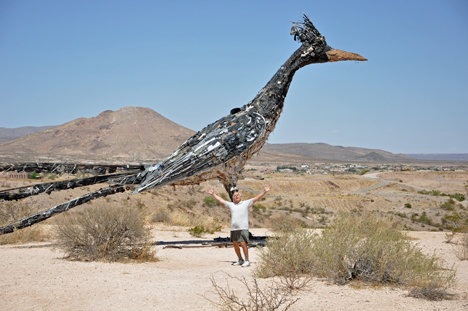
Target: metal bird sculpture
{"x":220,"y":150}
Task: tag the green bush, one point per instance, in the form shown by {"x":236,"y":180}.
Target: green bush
{"x":258,"y":207}
{"x":449,"y":205}
{"x":210,"y":201}
{"x":105,"y":232}
{"x":458,"y":196}
{"x":355,"y":247}
{"x":198,"y":231}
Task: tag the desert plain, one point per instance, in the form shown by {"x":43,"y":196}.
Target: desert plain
{"x":35,"y":275}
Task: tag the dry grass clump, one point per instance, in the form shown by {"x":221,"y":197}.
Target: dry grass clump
{"x":284,"y":223}
{"x":270,"y":297}
{"x":176,"y":217}
{"x":289,"y":255}
{"x":105,"y":231}
{"x":364,"y":248}
{"x":461,"y":248}
{"x":11,"y":212}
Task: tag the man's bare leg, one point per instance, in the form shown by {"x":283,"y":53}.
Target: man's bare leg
{"x":237,"y":249}
{"x":245,"y":249}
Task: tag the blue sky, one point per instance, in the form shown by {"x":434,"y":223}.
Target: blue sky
{"x":192,"y":61}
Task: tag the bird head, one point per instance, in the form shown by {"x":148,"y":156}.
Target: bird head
{"x":314,"y":48}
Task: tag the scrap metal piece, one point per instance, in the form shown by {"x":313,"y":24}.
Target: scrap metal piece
{"x":26,"y":191}
{"x":41,"y":216}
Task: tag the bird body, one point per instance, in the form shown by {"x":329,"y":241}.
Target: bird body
{"x":222,"y":149}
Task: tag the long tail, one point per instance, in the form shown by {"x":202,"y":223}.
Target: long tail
{"x":41,"y":216}
{"x":26,"y":191}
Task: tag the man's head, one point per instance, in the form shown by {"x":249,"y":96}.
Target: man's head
{"x":236,"y":197}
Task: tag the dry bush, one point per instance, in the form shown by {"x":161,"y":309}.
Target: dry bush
{"x":161,"y":214}
{"x":461,"y":248}
{"x":289,"y":255}
{"x":11,"y":212}
{"x":105,"y":231}
{"x":364,"y":248}
{"x":375,"y":250}
{"x":182,"y":218}
{"x":272,"y":297}
{"x":283,"y":222}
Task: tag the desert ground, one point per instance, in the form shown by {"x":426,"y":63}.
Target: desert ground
{"x":36,"y":276}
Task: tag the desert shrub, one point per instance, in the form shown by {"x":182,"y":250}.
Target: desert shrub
{"x":189,"y":203}
{"x":458,"y":196}
{"x":210,"y":201}
{"x":192,"y":190}
{"x":270,"y":297}
{"x":375,"y":250}
{"x":408,"y":205}
{"x":456,"y":221}
{"x":52,"y":176}
{"x":449,"y":205}
{"x":105,"y":232}
{"x":289,"y":255}
{"x":11,"y":212}
{"x":425,"y":220}
{"x":461,"y":248}
{"x":161,"y":214}
{"x":356,"y":247}
{"x":258,"y":208}
{"x":182,"y":218}
{"x":284,"y":223}
{"x":198,"y":231}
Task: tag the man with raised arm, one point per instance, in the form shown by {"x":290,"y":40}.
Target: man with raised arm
{"x":239,"y":222}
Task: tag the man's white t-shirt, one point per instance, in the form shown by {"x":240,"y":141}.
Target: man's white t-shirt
{"x":239,"y":214}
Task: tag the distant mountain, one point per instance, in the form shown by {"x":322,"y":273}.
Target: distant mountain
{"x":337,"y":153}
{"x":130,"y":133}
{"x":7,"y":134}
{"x":143,"y":135}
{"x":440,"y":156}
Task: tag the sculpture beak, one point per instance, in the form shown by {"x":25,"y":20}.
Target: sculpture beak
{"x":338,"y":55}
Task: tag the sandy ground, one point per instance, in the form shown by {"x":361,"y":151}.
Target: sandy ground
{"x":36,"y":277}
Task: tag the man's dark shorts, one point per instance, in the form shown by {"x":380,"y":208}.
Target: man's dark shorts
{"x":240,"y":236}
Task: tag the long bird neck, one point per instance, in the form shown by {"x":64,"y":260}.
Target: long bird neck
{"x":270,"y":100}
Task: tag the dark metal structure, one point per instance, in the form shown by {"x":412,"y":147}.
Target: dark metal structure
{"x":220,"y":150}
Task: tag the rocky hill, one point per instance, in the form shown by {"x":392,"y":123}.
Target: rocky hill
{"x":143,"y":135}
{"x":129,"y":133}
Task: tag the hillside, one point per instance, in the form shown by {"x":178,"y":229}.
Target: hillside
{"x":7,"y":134}
{"x":130,"y":133}
{"x":337,"y":153}
{"x":143,"y":135}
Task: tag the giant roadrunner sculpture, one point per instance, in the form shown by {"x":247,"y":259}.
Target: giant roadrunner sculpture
{"x":220,"y":150}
